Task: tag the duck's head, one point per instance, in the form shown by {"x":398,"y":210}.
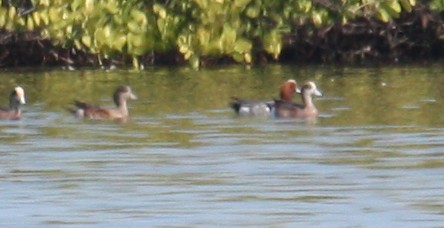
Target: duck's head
{"x":288,"y":89}
{"x":17,"y":97}
{"x":123,"y":93}
{"x":310,"y":88}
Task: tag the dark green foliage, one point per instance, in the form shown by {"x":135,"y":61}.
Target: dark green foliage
{"x":197,"y":30}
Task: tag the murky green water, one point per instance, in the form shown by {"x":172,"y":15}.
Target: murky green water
{"x":374,"y":158}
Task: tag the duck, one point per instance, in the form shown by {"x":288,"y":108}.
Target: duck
{"x":16,"y":100}
{"x":120,"y":112}
{"x":286,"y":109}
{"x":264,"y":108}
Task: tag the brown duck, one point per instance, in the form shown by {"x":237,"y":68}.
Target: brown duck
{"x":306,"y":109}
{"x":16,"y":100}
{"x":120,"y":112}
{"x":264,"y":108}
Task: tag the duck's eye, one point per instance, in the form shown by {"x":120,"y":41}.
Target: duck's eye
{"x":310,"y":86}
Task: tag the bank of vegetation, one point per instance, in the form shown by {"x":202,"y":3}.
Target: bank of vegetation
{"x":203,"y":32}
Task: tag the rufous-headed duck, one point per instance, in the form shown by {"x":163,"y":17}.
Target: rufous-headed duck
{"x":285,"y":108}
{"x":264,"y":108}
{"x":90,"y":111}
{"x":16,"y":100}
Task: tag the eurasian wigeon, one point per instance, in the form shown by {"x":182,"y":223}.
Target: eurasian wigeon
{"x":120,"y":97}
{"x":264,"y":108}
{"x":16,"y":100}
{"x":285,"y":108}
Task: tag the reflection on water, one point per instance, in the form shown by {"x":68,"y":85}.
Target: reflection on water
{"x":374,"y":157}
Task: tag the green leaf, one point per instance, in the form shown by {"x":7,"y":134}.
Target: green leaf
{"x":20,"y":21}
{"x":136,"y":64}
{"x":12,"y":12}
{"x":392,"y":8}
{"x":119,"y":42}
{"x":99,"y":35}
{"x":406,"y":5}
{"x":45,"y":2}
{"x":135,"y":39}
{"x":54,"y":15}
{"x":89,"y":5}
{"x":139,"y":17}
{"x":159,"y":10}
{"x":112,"y":7}
{"x":395,"y":6}
{"x":242,"y":46}
{"x":2,"y":17}
{"x":273,"y":43}
{"x":382,"y":15}
{"x":247,"y":57}
{"x":187,"y":55}
{"x":77,"y":44}
{"x":76,"y":4}
{"x":238,"y":57}
{"x":228,"y":38}
{"x":9,"y":25}
{"x":195,"y":62}
{"x":45,"y":18}
{"x":134,"y":27}
{"x":304,"y":5}
{"x":241,"y":3}
{"x":29,"y":24}
{"x":317,"y":19}
{"x":253,"y":11}
{"x":161,"y":24}
{"x":203,"y":36}
{"x":36,"y":18}
{"x":86,"y":40}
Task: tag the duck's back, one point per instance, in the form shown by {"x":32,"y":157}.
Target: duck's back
{"x":90,"y":111}
{"x":251,"y":108}
{"x":9,"y":114}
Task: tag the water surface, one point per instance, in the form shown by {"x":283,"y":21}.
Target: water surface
{"x":374,"y":158}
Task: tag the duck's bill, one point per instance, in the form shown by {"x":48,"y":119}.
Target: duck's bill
{"x":318,"y":93}
{"x":298,"y":90}
{"x":133,"y":96}
{"x":22,"y":100}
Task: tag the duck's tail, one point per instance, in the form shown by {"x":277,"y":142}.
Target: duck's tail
{"x":235,"y":104}
{"x":78,"y":109}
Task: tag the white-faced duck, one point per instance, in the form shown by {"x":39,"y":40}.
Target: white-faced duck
{"x":16,"y":100}
{"x":120,"y":97}
{"x":264,"y":108}
{"x":287,"y":109}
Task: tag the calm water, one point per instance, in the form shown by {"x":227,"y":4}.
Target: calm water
{"x":374,"y":158}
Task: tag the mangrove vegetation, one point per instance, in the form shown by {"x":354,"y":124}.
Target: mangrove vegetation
{"x":203,"y":32}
